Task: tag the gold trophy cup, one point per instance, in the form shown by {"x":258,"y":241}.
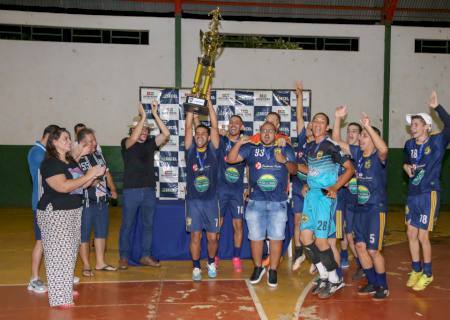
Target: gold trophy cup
{"x":211,"y":42}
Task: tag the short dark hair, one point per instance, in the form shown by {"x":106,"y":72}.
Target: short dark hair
{"x":78,"y":126}
{"x":322,"y":114}
{"x":356,"y":124}
{"x":83,"y":133}
{"x":419,"y":118}
{"x":377,"y":130}
{"x":204,"y":127}
{"x":275,"y":114}
{"x":50,"y":129}
{"x":237,"y":116}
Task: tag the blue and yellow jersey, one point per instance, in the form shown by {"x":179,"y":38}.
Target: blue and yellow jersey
{"x":426,"y":158}
{"x":268,"y":178}
{"x":323,"y":160}
{"x":201,"y":167}
{"x":231,"y":176}
{"x":371,"y":176}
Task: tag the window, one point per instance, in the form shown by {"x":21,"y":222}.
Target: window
{"x":432,"y":46}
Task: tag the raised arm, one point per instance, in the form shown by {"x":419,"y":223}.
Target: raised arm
{"x":133,"y":138}
{"x":299,"y":108}
{"x":340,"y":113}
{"x":164,"y":136}
{"x":215,"y":137}
{"x":233,"y":155}
{"x":379,"y":143}
{"x":443,"y":114}
{"x":188,"y":134}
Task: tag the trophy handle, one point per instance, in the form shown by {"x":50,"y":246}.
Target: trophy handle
{"x":197,"y":77}
{"x":208,"y":79}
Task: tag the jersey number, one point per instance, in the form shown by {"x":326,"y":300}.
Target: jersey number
{"x":259,"y":152}
{"x":240,"y":209}
{"x":413,"y":153}
{"x":423,"y":218}
{"x":372,"y":238}
{"x":322,"y":225}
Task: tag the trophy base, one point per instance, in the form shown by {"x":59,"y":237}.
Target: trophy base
{"x":196,"y":105}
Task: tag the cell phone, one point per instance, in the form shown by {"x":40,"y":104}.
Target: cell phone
{"x":324,"y":191}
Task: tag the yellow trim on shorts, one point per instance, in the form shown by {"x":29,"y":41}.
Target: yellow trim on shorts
{"x":381,"y":234}
{"x":432,"y":210}
{"x":338,"y":224}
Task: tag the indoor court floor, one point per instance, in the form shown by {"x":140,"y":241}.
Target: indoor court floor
{"x":168,"y":292}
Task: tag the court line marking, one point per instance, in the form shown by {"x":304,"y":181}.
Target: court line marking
{"x":258,"y":305}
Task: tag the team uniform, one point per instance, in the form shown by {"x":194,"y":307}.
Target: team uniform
{"x":323,"y":159}
{"x":266,"y":212}
{"x":299,"y":180}
{"x":422,"y":207}
{"x":230,"y":182}
{"x":202,"y":211}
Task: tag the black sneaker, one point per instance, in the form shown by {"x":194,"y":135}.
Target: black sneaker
{"x":368,"y":289}
{"x":321,"y":284}
{"x":359,"y":274}
{"x":331,"y":289}
{"x":272,"y":280}
{"x":380,"y":294}
{"x":257,"y":275}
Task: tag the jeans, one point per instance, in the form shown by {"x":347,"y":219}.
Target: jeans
{"x":142,"y":200}
{"x":266,"y":219}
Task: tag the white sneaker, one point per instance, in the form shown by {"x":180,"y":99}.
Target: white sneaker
{"x":196,"y":274}
{"x":37,"y":286}
{"x":76,"y":280}
{"x":212,"y":271}
{"x":298,"y":262}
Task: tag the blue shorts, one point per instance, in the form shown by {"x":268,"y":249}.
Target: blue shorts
{"x":202,"y":215}
{"x":97,"y":215}
{"x":369,"y":225}
{"x":422,"y":210}
{"x":266,"y":219}
{"x":37,"y":231}
{"x":297,"y":203}
{"x":318,"y":212}
{"x":349,"y":217}
{"x":235,"y":207}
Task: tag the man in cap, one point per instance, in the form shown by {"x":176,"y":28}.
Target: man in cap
{"x":423,"y":155}
{"x":139,"y":183}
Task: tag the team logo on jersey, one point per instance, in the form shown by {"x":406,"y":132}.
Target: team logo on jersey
{"x":258,"y":165}
{"x":201,"y":183}
{"x":319,"y":155}
{"x":368,"y":164}
{"x":427,"y":150}
{"x":304,"y":218}
{"x":195,"y":168}
{"x":232,"y":174}
{"x":188,"y":221}
{"x":363,"y":194}
{"x":267,"y":182}
{"x":419,"y":176}
{"x":353,"y":186}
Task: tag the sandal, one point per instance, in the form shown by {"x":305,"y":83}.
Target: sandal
{"x":87,"y":273}
{"x":107,"y":267}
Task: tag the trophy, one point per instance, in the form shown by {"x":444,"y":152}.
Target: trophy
{"x":211,"y":42}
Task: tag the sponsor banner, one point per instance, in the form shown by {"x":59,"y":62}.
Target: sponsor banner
{"x":261,"y":113}
{"x":245,"y":112}
{"x":225,"y":97}
{"x":244,"y":98}
{"x":169,"y":111}
{"x":168,"y":174}
{"x":281,"y":98}
{"x":263,"y":98}
{"x":168,"y":159}
{"x":168,"y":190}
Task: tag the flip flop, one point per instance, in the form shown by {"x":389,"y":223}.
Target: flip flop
{"x":107,"y":267}
{"x":87,"y":273}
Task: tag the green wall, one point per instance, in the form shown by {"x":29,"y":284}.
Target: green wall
{"x":15,"y":186}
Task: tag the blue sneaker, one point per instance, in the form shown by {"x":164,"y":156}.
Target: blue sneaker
{"x":197,"y":274}
{"x":212,"y":271}
{"x":344,"y":263}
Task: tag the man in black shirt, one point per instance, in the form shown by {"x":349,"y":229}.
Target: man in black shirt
{"x":139,"y":184}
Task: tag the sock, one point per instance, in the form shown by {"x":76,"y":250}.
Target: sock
{"x":427,"y":269}
{"x":358,"y":264}
{"x":298,"y":251}
{"x":323,"y":273}
{"x":344,"y":254}
{"x":333,"y":276}
{"x":371,"y":276}
{"x":339,"y":272}
{"x":416,"y":266}
{"x":196,"y":263}
{"x":381,"y":279}
{"x":237,"y":252}
{"x":211,"y":260}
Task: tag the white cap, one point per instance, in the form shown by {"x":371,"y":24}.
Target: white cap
{"x":425,"y":116}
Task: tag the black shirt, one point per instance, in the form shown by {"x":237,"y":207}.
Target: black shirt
{"x":60,"y":201}
{"x":138,"y":163}
{"x":99,"y":191}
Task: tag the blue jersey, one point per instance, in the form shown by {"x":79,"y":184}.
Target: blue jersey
{"x":231,"y":176}
{"x":35,"y":157}
{"x":268,"y":178}
{"x":427,"y":158}
{"x":201,"y":173}
{"x":299,"y":179}
{"x":371,"y":175}
{"x":323,"y":159}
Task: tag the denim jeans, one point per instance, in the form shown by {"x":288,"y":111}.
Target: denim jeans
{"x":266,"y":219}
{"x":142,"y":200}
